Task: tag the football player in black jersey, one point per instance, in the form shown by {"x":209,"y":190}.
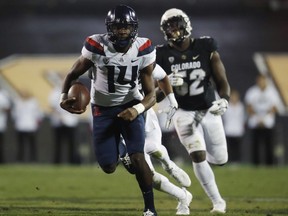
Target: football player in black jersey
{"x":202,"y":91}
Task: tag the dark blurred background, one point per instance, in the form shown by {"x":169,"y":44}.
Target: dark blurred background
{"x":241,"y":28}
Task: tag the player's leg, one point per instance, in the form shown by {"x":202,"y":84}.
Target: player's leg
{"x":215,"y":139}
{"x":161,"y":183}
{"x":124,"y":157}
{"x":106,"y":136}
{"x":154,"y":147}
{"x":217,"y":152}
{"x":187,"y":125}
{"x":134,"y":136}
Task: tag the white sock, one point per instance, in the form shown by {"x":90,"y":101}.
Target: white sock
{"x":162,"y":184}
{"x":206,"y":178}
{"x":162,"y":156}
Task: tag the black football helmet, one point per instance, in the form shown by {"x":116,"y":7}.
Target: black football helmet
{"x":176,"y":25}
{"x":122,"y":16}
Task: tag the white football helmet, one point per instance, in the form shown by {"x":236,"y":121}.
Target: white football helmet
{"x":175,"y":18}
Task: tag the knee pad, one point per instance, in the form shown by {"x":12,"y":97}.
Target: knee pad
{"x":218,"y":158}
{"x":158,"y":179}
{"x":160,"y":153}
{"x":198,"y":156}
{"x":194,"y":142}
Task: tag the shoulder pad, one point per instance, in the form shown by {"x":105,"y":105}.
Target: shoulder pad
{"x":145,"y":48}
{"x":91,"y":43}
{"x":159,"y":45}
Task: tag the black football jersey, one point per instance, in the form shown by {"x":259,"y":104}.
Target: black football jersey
{"x":197,"y":91}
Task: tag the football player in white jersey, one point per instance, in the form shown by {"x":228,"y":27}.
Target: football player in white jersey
{"x":121,"y":59}
{"x":154,"y":148}
{"x":198,"y":120}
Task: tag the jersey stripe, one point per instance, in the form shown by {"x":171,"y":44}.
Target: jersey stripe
{"x":94,"y":46}
{"x":146,"y":48}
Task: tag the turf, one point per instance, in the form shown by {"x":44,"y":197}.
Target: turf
{"x":86,"y":191}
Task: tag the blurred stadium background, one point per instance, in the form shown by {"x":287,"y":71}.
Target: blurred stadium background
{"x":40,"y":36}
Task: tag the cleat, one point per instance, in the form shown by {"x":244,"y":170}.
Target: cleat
{"x":179,"y":175}
{"x":149,"y":213}
{"x":183,"y":204}
{"x":219,"y":207}
{"x":127,"y":164}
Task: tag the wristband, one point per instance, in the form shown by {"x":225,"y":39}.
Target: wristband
{"x":140,"y":108}
{"x":172,"y":99}
{"x":226,"y":97}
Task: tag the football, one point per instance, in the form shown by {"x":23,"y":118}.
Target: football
{"x":82,"y":95}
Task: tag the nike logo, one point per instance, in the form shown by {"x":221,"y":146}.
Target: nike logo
{"x":134,"y":60}
{"x":195,"y":57}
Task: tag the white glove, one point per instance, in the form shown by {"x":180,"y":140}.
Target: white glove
{"x":175,"y":79}
{"x":219,"y":107}
{"x":170,"y":111}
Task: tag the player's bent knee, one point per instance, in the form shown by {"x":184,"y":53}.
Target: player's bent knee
{"x":219,"y":159}
{"x":158,"y":179}
{"x":198,"y":156}
{"x":218,"y":162}
{"x":222,"y":162}
{"x":137,"y":159}
{"x":109,"y":168}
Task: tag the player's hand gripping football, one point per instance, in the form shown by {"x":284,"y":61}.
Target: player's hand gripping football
{"x":67,"y":104}
{"x":219,"y":107}
{"x":170,"y":110}
{"x":175,"y":79}
{"x":128,"y":114}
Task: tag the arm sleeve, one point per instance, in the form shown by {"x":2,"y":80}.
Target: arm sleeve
{"x":158,"y":73}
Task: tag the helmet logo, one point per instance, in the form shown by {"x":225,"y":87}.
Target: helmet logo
{"x":171,"y":59}
{"x":184,"y":57}
{"x":106,"y":60}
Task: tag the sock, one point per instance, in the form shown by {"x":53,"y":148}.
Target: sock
{"x":162,"y":156}
{"x":162,"y":183}
{"x":148,"y":197}
{"x":206,"y":178}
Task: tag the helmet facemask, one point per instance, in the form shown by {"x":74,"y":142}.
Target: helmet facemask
{"x":122,"y":35}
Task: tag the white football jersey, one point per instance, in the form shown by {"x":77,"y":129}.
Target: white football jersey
{"x":116,"y":79}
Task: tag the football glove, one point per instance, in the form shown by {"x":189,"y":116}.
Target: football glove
{"x":219,"y":107}
{"x":175,"y":79}
{"x":170,"y":110}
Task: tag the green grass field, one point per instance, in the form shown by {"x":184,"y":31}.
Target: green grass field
{"x":87,"y":191}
